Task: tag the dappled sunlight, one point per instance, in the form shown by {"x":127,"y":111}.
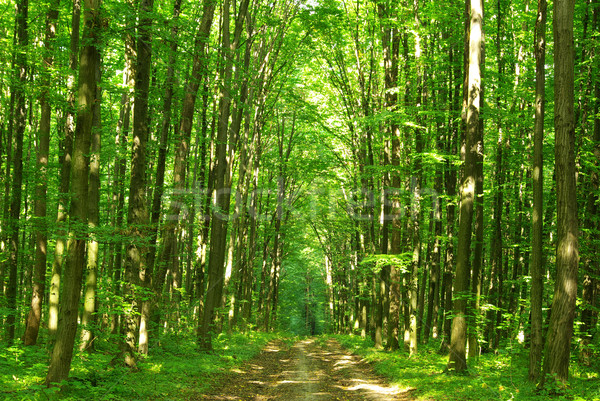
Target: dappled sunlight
{"x":156,"y":367}
{"x":375,"y":388}
{"x":309,"y":370}
{"x":344,"y":363}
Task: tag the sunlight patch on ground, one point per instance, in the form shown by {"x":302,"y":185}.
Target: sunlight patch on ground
{"x":156,"y":367}
{"x":375,"y":388}
{"x":343,"y":363}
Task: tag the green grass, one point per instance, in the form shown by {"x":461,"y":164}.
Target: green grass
{"x":498,"y":377}
{"x":177,"y":371}
{"x":174,"y":371}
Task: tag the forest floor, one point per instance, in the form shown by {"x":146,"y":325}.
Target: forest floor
{"x":310,"y":369}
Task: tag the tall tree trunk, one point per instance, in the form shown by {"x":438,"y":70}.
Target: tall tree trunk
{"x":145,"y":309}
{"x":88,"y":318}
{"x":7,"y":185}
{"x":592,"y":266}
{"x":219,"y":220}
{"x":390,"y":77}
{"x":120,"y":169}
{"x":65,"y":176}
{"x":137,"y":211}
{"x":457,"y":359}
{"x":560,"y":330}
{"x":62,"y":353}
{"x":477,"y":264}
{"x":433,"y":296}
{"x":39,"y":275}
{"x":450,"y":184}
{"x":416,"y":184}
{"x":17,"y":159}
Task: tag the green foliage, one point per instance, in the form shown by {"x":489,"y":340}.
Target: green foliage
{"x":499,"y":376}
{"x":174,"y":371}
{"x":402,"y":261}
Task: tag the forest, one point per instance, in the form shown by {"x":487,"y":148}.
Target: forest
{"x":185,"y":185}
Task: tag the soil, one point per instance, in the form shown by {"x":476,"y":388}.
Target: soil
{"x":305,"y":371}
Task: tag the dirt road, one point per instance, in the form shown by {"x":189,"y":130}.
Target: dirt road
{"x":305,"y":371}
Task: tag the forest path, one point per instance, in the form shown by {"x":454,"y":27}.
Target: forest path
{"x":305,"y":371}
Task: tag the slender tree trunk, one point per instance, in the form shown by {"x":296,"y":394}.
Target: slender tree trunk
{"x":65,"y":176}
{"x":450,"y":184}
{"x":88,"y":318}
{"x":7,"y":186}
{"x":390,"y":78}
{"x":145,"y":309}
{"x":137,"y":212}
{"x":120,"y":169}
{"x":17,"y":159}
{"x":477,"y":264}
{"x":457,"y":360}
{"x":560,"y":331}
{"x":219,"y":220}
{"x":416,"y":184}
{"x":62,"y":353}
{"x":591,"y":264}
{"x":433,"y":296}
{"x":39,"y":275}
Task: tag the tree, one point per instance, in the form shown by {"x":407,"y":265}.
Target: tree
{"x":88,"y":317}
{"x":157,"y":281}
{"x":137,"y":211}
{"x":39,"y":285}
{"x":65,"y":175}
{"x":62,"y":352}
{"x":457,"y":360}
{"x":560,"y":330}
{"x":537,"y":269}
{"x":222,"y":193}
{"x":20,"y":116}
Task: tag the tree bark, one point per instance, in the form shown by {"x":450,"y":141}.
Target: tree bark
{"x":416,"y":184}
{"x":120,"y":169}
{"x":88,"y":317}
{"x":591,"y":264}
{"x":39,"y":275}
{"x":17,"y":160}
{"x":137,"y":211}
{"x":477,"y":264}
{"x":560,"y":330}
{"x":220,"y":215}
{"x":146,"y":306}
{"x":65,"y":176}
{"x":450,"y":185}
{"x":62,"y":353}
{"x":457,"y":359}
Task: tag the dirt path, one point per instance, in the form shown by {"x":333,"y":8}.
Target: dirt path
{"x":305,"y":371}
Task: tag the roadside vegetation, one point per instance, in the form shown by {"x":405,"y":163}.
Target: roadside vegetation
{"x":495,"y":376}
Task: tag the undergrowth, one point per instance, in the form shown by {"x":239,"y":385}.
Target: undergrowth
{"x":175,"y":370}
{"x":501,"y":376}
